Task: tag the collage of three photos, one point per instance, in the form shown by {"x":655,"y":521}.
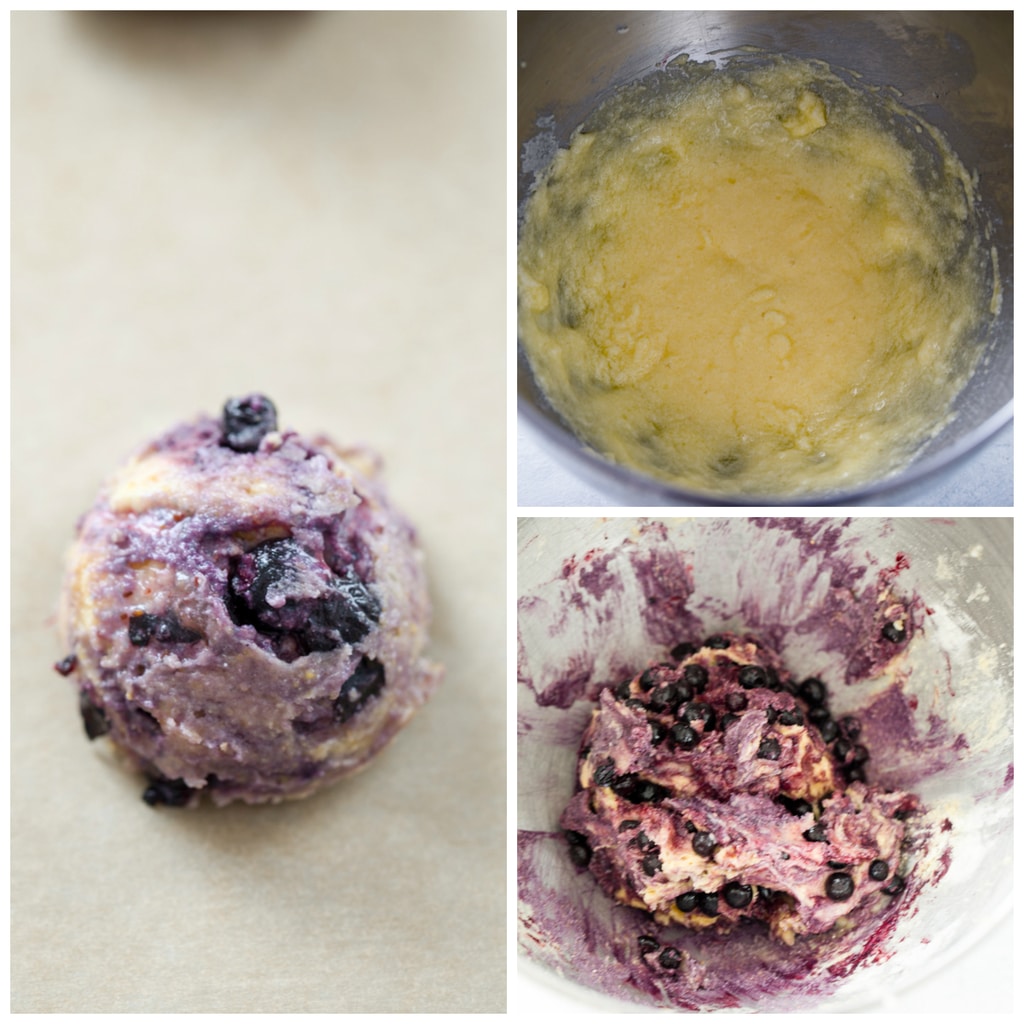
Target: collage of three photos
{"x":345,"y":680}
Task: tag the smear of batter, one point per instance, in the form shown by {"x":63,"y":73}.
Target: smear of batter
{"x":755,"y":279}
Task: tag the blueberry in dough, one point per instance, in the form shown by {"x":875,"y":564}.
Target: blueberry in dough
{"x":364,"y":684}
{"x":284,"y":591}
{"x":247,"y":421}
{"x":670,"y":958}
{"x":165,"y":629}
{"x":737,"y":895}
{"x":839,"y":886}
{"x":878,"y":870}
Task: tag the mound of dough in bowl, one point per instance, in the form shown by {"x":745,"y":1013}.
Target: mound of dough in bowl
{"x":246,"y":612}
{"x":718,"y":790}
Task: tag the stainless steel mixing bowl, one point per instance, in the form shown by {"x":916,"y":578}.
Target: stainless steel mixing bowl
{"x":953,"y":69}
{"x":588,"y":614}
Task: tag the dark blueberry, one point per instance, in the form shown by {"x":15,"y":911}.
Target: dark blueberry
{"x":813,"y":691}
{"x":828,"y":729}
{"x":605,"y":774}
{"x":769,"y":749}
{"x":359,"y":689}
{"x":854,"y":773}
{"x":752,"y":677}
{"x":580,"y":855}
{"x":727,"y":720}
{"x":791,"y":716}
{"x":246,"y":421}
{"x":687,"y":901}
{"x":837,"y":865}
{"x":839,"y":886}
{"x":774,"y":682}
{"x":670,"y":958}
{"x":860,"y":754}
{"x":165,"y":629}
{"x":93,"y":717}
{"x":648,"y":792}
{"x":642,"y":841}
{"x":816,"y":834}
{"x":696,"y":676}
{"x":623,"y":691}
{"x":708,"y":903}
{"x":796,"y":806}
{"x":690,"y":827}
{"x":67,"y":665}
{"x":703,"y":844}
{"x":736,"y":701}
{"x":842,"y":748}
{"x":894,"y":632}
{"x":849,"y":726}
{"x":765,"y":894}
{"x":635,"y":703}
{"x":624,"y":784}
{"x":819,"y":715}
{"x":286,"y":593}
{"x":684,"y":650}
{"x":647,"y":679}
{"x":647,"y":944}
{"x":771,"y":715}
{"x":896,"y":886}
{"x":172,"y":792}
{"x":685,"y":736}
{"x":878,"y":870}
{"x":579,"y":849}
{"x":638,"y":791}
{"x":667,"y":697}
{"x":698,"y":711}
{"x":658,"y":731}
{"x":628,"y":823}
{"x":651,"y":864}
{"x":717,"y":642}
{"x":737,"y":895}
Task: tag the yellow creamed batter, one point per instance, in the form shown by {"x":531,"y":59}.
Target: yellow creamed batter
{"x":755,"y":280}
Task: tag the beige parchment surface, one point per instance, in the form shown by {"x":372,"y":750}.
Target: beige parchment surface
{"x":313,"y":206}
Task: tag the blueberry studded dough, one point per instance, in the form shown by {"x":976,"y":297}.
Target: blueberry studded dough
{"x":716,"y":790}
{"x":245,"y":611}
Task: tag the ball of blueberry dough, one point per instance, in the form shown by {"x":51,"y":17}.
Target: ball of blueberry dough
{"x":246,"y":612}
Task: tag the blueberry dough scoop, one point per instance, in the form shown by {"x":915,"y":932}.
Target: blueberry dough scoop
{"x":709,"y":794}
{"x":246,"y":612}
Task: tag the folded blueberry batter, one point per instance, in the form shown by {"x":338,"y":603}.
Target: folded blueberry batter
{"x":716,"y":789}
{"x":246,"y":611}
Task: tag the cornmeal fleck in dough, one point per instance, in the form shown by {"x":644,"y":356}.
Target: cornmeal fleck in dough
{"x":752,"y":280}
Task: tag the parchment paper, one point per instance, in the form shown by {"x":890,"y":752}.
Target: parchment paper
{"x":313,"y":206}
